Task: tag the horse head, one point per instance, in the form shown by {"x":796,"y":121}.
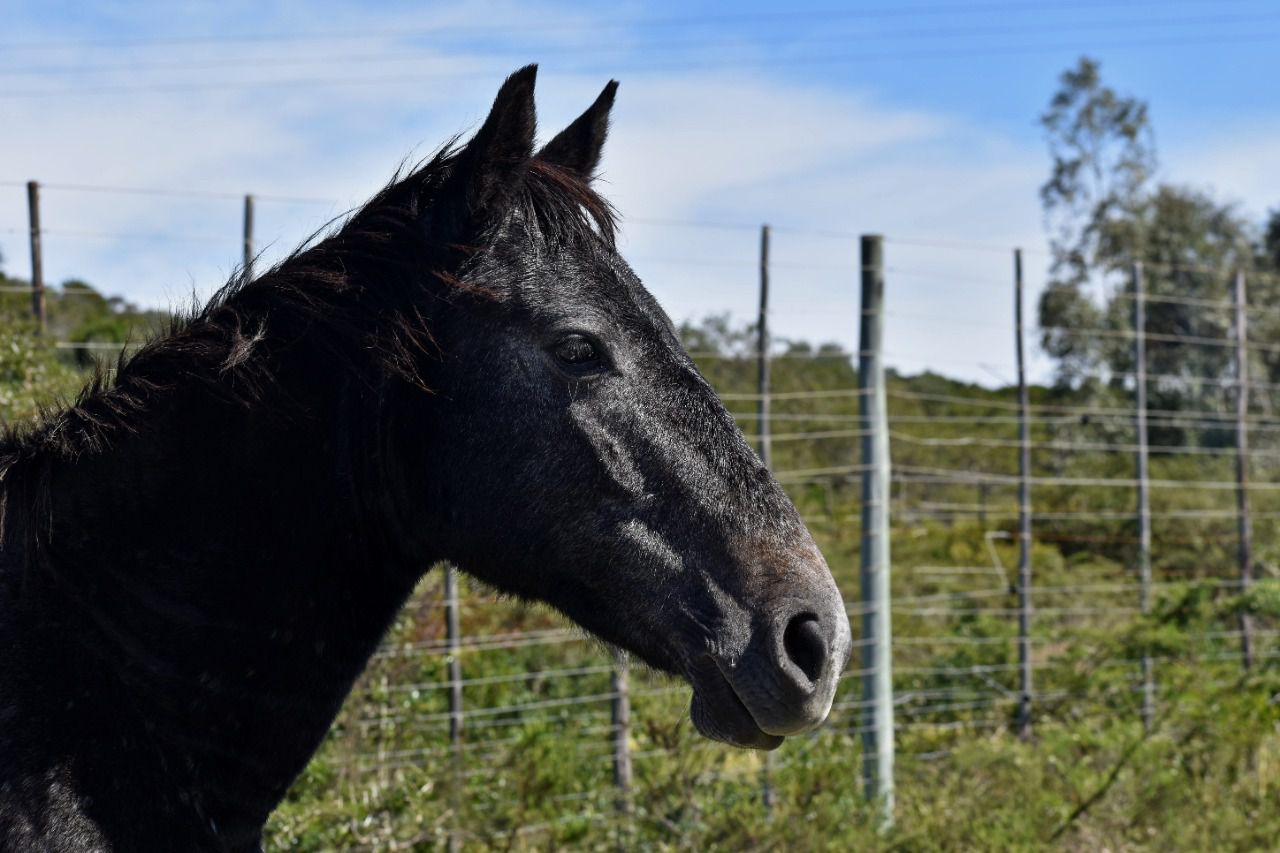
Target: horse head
{"x":577,"y":457}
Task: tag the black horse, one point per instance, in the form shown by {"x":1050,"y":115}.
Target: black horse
{"x":200,"y":555}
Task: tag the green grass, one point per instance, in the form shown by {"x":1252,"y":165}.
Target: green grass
{"x":535,"y":770}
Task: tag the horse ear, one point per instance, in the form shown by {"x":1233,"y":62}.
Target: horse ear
{"x":491,"y":162}
{"x":577,"y":147}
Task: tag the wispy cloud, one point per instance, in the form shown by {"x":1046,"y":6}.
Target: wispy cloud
{"x":707,"y":146}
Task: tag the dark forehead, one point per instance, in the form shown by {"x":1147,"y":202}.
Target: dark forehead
{"x":553,"y":280}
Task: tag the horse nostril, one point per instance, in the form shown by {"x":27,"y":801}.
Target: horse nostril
{"x":805,"y":646}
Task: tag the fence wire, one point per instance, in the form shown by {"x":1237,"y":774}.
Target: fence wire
{"x":533,"y":688}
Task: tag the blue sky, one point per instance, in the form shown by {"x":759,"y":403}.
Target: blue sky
{"x":917,"y":120}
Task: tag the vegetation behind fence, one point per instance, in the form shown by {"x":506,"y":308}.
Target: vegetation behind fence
{"x":540,"y":751}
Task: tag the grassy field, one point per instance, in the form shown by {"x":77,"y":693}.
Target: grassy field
{"x":536,"y":767}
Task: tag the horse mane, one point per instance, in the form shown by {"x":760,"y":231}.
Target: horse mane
{"x":361,"y":291}
{"x":364,"y":284}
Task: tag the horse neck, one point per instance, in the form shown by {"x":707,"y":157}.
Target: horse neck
{"x":214,"y":574}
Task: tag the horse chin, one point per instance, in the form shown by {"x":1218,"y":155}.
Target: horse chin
{"x":719,"y":714}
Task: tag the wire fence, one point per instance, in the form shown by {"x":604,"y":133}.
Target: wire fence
{"x":1036,"y":539}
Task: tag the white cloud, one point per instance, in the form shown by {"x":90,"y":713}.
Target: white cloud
{"x":685,"y":146}
{"x":815,"y":160}
{"x":1237,"y":162}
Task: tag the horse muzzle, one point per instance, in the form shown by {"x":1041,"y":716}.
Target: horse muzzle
{"x":785,"y":680}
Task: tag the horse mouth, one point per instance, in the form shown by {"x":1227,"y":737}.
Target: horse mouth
{"x":719,"y":714}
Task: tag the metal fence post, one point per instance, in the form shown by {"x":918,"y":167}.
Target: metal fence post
{"x":1024,"y":510}
{"x":1144,"y":502}
{"x":37,"y":255}
{"x":1244,"y":526}
{"x":877,"y":661}
{"x":247,"y":264}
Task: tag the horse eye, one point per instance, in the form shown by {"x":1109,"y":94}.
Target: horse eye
{"x":576,"y":350}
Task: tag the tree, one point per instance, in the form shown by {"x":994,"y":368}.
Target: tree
{"x":1269,"y":248}
{"x":1103,"y":154}
{"x":1191,"y":246}
{"x":1104,"y":213}
{"x":718,"y":334}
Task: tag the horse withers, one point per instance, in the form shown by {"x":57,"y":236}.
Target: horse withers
{"x":199,"y":556}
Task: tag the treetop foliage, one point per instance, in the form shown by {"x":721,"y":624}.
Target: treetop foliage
{"x":1106,"y":209}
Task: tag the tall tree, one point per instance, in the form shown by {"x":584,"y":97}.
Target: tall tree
{"x":1104,"y":211}
{"x":1103,"y":152}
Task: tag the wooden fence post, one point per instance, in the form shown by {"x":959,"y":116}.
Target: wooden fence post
{"x":1243,"y":523}
{"x":37,"y":256}
{"x":763,"y":430}
{"x":762,"y":353}
{"x":1144,"y":500}
{"x":453,"y":643}
{"x":621,"y":688}
{"x":1024,"y":510}
{"x":247,"y":263}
